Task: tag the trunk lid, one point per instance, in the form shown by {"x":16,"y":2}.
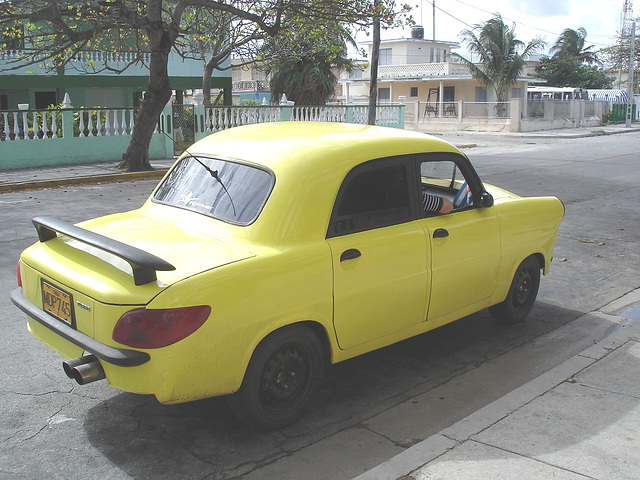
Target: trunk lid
{"x":190,"y":246}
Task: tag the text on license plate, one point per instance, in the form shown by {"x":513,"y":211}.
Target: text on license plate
{"x":57,"y":302}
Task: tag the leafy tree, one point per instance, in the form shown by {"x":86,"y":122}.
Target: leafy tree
{"x":56,"y":31}
{"x":216,"y":36}
{"x":572,"y":73}
{"x":617,"y":56}
{"x":571,"y":44}
{"x":502,"y":55}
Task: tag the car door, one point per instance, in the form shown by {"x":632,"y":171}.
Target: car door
{"x":465,"y":244}
{"x":379,"y":253}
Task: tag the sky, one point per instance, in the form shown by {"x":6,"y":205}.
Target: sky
{"x":543,"y":18}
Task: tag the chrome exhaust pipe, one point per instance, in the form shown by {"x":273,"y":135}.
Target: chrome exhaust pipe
{"x":84,"y":370}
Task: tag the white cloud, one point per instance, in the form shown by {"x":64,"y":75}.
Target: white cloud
{"x":542,"y":8}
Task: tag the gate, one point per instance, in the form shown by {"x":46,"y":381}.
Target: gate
{"x":183,"y":120}
{"x":619,"y":112}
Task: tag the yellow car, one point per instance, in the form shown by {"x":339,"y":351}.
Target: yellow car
{"x":268,"y":251}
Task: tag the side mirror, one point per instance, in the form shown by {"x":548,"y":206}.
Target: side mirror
{"x":486,"y":199}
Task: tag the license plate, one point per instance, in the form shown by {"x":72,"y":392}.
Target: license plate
{"x":57,"y":302}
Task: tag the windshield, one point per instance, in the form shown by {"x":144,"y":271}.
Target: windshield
{"x":229,"y":191}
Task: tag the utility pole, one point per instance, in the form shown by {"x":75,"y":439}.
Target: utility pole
{"x":434,"y":20}
{"x":631,"y":67}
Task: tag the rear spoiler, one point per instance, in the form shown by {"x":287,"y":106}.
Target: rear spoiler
{"x":143,"y":264}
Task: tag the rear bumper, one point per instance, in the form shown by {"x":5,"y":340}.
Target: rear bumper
{"x":116,"y":356}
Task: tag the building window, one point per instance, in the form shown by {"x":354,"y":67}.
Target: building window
{"x":258,"y":73}
{"x":435,"y":55}
{"x":45,"y":99}
{"x":413,"y":92}
{"x":356,"y":74}
{"x":4,"y":102}
{"x":516,"y":93}
{"x":385,"y":56}
{"x":384,"y":95}
{"x":481,"y":94}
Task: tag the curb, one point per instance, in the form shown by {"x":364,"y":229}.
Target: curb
{"x":559,"y":133}
{"x":597,"y":132}
{"x":90,"y":180}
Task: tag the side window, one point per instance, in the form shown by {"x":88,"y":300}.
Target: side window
{"x":443,"y":182}
{"x":373,"y":195}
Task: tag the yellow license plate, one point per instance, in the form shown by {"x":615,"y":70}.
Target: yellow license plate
{"x":57,"y":302}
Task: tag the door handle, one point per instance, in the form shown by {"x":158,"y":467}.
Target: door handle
{"x":440,"y":233}
{"x":350,"y":254}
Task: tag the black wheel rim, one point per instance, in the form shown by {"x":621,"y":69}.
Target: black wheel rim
{"x":284,"y":379}
{"x":522,"y":288}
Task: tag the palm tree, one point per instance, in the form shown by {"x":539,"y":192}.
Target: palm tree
{"x":502,"y":55}
{"x":307,"y":81}
{"x":571,"y":44}
{"x":301,"y":64}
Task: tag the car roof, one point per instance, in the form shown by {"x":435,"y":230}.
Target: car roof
{"x":309,"y":161}
{"x":281,"y":145}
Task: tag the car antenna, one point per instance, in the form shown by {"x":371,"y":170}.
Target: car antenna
{"x":213,"y":173}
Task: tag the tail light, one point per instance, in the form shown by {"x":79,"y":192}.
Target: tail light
{"x":144,"y":328}
{"x":19,"y":276}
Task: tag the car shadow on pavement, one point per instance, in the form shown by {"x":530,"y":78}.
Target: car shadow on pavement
{"x":148,"y":440}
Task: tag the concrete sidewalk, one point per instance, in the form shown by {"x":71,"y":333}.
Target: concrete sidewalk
{"x":82,"y":174}
{"x":580,"y":420}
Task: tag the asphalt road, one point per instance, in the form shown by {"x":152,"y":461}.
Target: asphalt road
{"x":370,"y":408}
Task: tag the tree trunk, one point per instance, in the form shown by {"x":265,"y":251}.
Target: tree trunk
{"x":375,"y":55}
{"x":206,"y":81}
{"x":156,"y":96}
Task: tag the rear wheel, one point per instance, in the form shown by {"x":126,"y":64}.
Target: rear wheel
{"x":284,"y":372}
{"x":522,"y":293}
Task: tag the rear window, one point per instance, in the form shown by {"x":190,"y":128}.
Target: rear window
{"x":229,"y":191}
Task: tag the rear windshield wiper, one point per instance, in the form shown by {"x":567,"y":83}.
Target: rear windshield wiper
{"x":214,"y":174}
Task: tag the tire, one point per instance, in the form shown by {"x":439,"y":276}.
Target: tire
{"x":522,"y":293}
{"x":283,"y":374}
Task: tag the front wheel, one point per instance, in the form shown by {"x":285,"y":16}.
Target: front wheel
{"x":522,"y":293}
{"x":284,"y":372}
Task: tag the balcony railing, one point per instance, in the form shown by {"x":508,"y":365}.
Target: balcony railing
{"x":420,"y":70}
{"x":84,"y":57}
{"x":249,"y":86}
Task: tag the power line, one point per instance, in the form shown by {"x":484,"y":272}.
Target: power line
{"x":509,"y":19}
